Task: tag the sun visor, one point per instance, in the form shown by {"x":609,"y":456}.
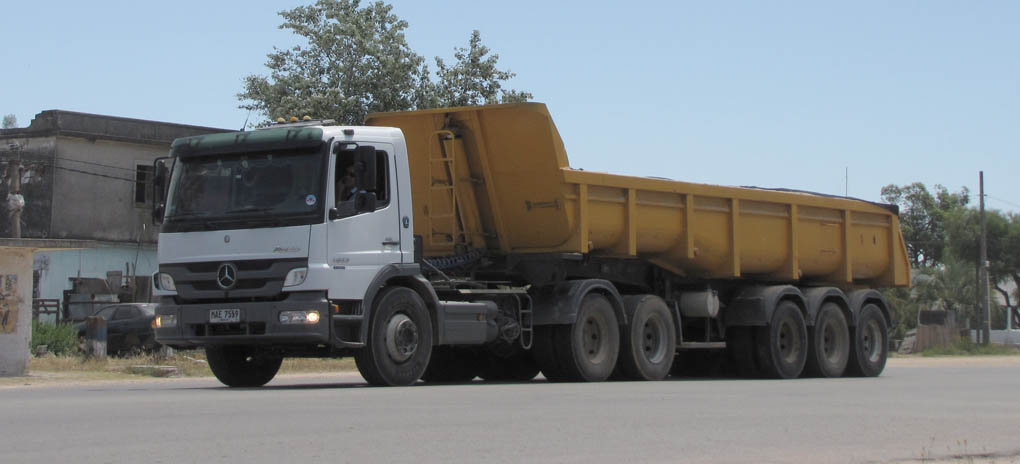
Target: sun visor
{"x":250,"y":141}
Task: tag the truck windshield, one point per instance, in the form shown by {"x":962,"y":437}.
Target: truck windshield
{"x":278,"y":186}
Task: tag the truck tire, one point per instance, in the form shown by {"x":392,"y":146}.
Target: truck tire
{"x":519,"y":366}
{"x":242,"y":366}
{"x":870,"y":346}
{"x":399,"y":342}
{"x":648,"y":343}
{"x":453,"y":365}
{"x":584,"y":351}
{"x":828,"y":343}
{"x":781,"y":347}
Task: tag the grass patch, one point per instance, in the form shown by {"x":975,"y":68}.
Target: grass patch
{"x":60,"y":339}
{"x":965,"y":347}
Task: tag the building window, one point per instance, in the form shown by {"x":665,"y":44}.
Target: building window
{"x":143,"y":184}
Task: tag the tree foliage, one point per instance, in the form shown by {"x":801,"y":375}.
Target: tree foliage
{"x":473,"y":80}
{"x":10,"y":122}
{"x":942,"y":232}
{"x":1002,"y":241}
{"x":356,"y":60}
{"x":924,"y":218}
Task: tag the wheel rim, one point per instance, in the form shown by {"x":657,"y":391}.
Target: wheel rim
{"x":872,"y":341}
{"x":833,"y":342}
{"x":595,"y":339}
{"x":790,"y":343}
{"x":401,"y":337}
{"x":653,"y":339}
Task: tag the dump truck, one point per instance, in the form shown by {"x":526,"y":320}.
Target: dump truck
{"x":451,"y":244}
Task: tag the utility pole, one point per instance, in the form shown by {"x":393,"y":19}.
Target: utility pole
{"x":15,"y":202}
{"x":986,"y":328}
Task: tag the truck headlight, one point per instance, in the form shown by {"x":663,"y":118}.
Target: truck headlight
{"x":299,"y":317}
{"x":165,"y":321}
{"x":296,"y":276}
{"x":166,"y":282}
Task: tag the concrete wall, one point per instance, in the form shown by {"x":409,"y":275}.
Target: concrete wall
{"x":94,"y":207}
{"x":15,"y":309}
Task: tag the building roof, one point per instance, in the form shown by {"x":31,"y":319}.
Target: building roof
{"x":98,"y":126}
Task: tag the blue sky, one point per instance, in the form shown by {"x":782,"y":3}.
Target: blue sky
{"x":773,"y":94}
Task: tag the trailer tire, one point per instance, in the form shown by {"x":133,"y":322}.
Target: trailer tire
{"x":781,"y":347}
{"x":828,"y":343}
{"x":870,"y":346}
{"x":585,"y":351}
{"x":242,"y":366}
{"x":399,"y":343}
{"x":648,"y":343}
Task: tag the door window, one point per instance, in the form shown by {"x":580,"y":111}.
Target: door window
{"x":345,"y":182}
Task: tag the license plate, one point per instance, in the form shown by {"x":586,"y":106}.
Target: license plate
{"x":223,"y":316}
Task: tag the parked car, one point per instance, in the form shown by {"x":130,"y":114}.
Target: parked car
{"x":128,"y":327}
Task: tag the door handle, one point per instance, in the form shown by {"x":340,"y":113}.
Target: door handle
{"x":391,"y":242}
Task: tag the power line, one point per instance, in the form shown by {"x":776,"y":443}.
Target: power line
{"x":48,"y":163}
{"x":1003,"y":201}
{"x":107,"y":176}
{"x":101,"y":175}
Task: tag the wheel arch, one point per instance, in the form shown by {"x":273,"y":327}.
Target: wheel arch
{"x":753,"y":306}
{"x":559,"y":305}
{"x":816,"y":297}
{"x":860,"y":298}
{"x":403,"y":275}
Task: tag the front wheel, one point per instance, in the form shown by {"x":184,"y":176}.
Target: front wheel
{"x":399,"y":343}
{"x":242,"y":366}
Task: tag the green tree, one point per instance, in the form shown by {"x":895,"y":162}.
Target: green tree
{"x":1003,"y":242}
{"x":356,"y":60}
{"x":10,"y":122}
{"x":948,"y":286}
{"x":474,"y":79}
{"x":924,"y":217}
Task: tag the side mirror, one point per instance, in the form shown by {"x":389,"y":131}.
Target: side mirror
{"x":364,"y":167}
{"x":159,"y":183}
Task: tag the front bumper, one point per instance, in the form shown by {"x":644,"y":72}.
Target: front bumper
{"x":259,"y":323}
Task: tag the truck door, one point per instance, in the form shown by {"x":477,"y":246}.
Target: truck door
{"x":359,"y":244}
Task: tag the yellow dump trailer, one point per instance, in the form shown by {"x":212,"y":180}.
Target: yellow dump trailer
{"x":497,"y":178}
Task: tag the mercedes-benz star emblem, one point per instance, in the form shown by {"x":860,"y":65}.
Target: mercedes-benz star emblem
{"x":226,"y":276}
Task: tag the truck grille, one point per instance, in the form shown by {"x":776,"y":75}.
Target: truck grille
{"x":257,"y":278}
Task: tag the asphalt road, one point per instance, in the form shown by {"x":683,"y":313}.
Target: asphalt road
{"x":916,"y":409}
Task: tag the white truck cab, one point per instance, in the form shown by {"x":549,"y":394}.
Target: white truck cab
{"x":275,"y":241}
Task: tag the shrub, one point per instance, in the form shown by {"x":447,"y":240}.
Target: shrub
{"x":60,"y":339}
